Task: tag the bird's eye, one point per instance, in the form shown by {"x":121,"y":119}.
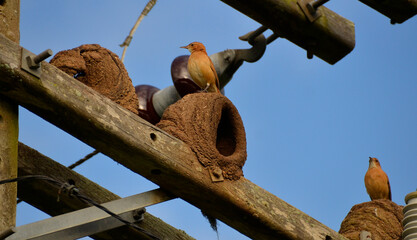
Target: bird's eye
{"x":192,"y":45}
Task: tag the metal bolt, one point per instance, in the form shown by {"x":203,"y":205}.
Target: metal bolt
{"x":256,"y":33}
{"x":309,"y":54}
{"x":33,"y":61}
{"x":42,"y":56}
{"x":252,"y":35}
{"x":272,"y":38}
{"x":217,"y":172}
{"x":138,"y":214}
{"x":310,"y":45}
{"x":318,"y":3}
{"x":312,"y":6}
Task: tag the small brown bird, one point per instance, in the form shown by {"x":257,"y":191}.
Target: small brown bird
{"x":376,"y":181}
{"x":201,"y":68}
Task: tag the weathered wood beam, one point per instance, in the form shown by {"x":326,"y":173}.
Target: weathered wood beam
{"x":397,"y":10}
{"x":151,"y":152}
{"x":330,"y":37}
{"x":43,"y":196}
{"x":8,"y":162}
{"x":9,"y":125}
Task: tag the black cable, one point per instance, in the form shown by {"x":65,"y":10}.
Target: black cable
{"x":74,"y":165}
{"x":73,"y":191}
{"x":40,"y":177}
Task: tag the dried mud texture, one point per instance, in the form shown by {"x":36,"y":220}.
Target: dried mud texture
{"x":382,"y":218}
{"x":211,"y":125}
{"x":100,"y":69}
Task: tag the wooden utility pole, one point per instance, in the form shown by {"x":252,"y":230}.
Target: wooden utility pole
{"x":151,"y":152}
{"x":9,"y":26}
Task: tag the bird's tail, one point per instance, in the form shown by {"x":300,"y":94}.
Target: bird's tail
{"x":213,"y":223}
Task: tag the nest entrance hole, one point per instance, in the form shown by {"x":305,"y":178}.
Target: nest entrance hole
{"x":226,"y":138}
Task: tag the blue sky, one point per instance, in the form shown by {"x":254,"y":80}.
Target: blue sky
{"x":310,"y":126}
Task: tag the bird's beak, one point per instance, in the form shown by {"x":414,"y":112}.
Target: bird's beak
{"x":186,"y":47}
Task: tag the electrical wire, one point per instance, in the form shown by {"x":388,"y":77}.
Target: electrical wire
{"x":125,"y":44}
{"x":82,"y":160}
{"x":128,"y":39}
{"x":76,"y":164}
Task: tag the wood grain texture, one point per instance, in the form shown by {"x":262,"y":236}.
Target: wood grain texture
{"x":331,"y":37}
{"x":8,"y":162}
{"x":9,"y":125}
{"x":43,"y":196}
{"x":151,"y":152}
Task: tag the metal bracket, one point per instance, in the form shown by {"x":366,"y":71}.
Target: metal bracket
{"x":90,"y":220}
{"x":31,"y":63}
{"x":216,"y":174}
{"x":310,"y":7}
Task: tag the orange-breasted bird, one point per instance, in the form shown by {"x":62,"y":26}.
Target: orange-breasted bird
{"x":201,"y":68}
{"x":376,"y":181}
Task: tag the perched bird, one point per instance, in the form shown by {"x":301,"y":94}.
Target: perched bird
{"x":201,"y":68}
{"x":376,"y":181}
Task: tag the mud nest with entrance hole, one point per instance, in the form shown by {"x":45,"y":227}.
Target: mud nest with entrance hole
{"x":211,"y":125}
{"x":382,"y":218}
{"x":100,"y":69}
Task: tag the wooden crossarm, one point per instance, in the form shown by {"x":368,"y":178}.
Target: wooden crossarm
{"x":151,"y":152}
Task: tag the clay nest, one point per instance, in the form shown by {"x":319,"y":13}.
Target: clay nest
{"x":382,"y":218}
{"x":211,"y":125}
{"x":100,"y":69}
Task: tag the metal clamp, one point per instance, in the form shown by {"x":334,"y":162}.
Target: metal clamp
{"x":88,"y":221}
{"x":31,"y":63}
{"x":216,"y":174}
{"x":309,"y":8}
{"x":250,"y":37}
{"x":139,"y":214}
